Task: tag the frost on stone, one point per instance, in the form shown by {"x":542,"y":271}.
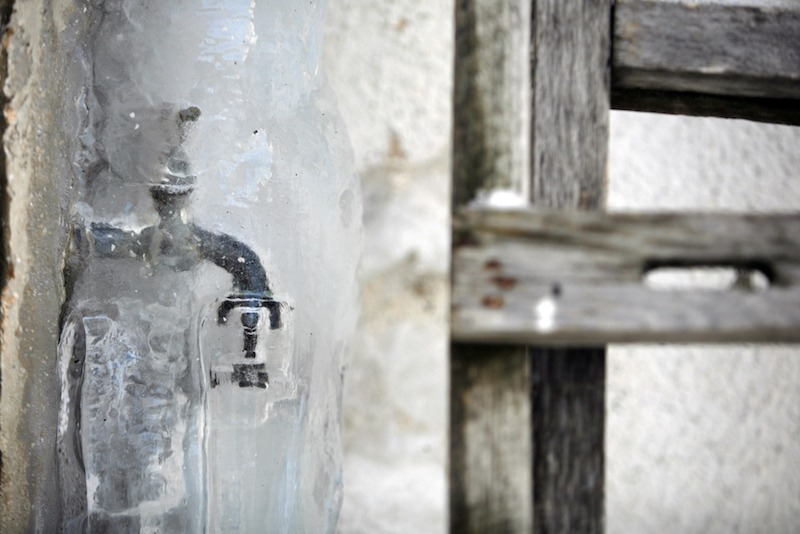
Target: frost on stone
{"x":211,"y":275}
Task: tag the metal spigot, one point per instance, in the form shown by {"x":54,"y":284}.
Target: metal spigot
{"x":250,"y":302}
{"x":175,"y":244}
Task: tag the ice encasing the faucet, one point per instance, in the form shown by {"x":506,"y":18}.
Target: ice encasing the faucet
{"x":139,"y":401}
{"x":271,"y":170}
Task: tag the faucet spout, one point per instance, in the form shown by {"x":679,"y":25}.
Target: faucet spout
{"x":249,"y":278}
{"x":179,"y":245}
{"x":235,"y":257}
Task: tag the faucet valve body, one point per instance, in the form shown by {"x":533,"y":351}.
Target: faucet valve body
{"x":250,"y":317}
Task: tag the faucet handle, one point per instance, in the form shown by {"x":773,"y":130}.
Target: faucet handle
{"x":252,"y":301}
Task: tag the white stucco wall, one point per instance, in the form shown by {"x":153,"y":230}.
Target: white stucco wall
{"x":390,"y":66}
{"x":703,"y":439}
{"x":699,"y":439}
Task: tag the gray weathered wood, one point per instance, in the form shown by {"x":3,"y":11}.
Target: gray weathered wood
{"x":730,"y":50}
{"x":568,"y":403}
{"x":562,"y":278}
{"x":491,"y":98}
{"x":490,"y":462}
{"x":772,"y":110}
{"x":490,"y":440}
{"x":570,"y":69}
{"x":571,"y":48}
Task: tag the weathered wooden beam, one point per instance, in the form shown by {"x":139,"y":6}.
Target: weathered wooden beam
{"x":740,"y":54}
{"x":772,"y":110}
{"x":569,"y":406}
{"x":570,"y":88}
{"x":570,"y":68}
{"x":490,"y":442}
{"x":565,"y":278}
{"x":725,"y":49}
{"x":491,"y":98}
{"x":490,"y":451}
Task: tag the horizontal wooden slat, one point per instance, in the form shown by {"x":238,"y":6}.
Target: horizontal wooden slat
{"x":772,"y":110}
{"x":740,"y":56}
{"x":578,"y":278}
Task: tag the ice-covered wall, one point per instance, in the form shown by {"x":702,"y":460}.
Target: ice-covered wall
{"x":95,"y":88}
{"x":698,"y":439}
{"x":268,"y":167}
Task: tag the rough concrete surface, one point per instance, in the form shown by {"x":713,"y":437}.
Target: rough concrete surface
{"x":699,"y":439}
{"x":41,"y":45}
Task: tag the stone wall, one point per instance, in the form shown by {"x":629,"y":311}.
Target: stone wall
{"x":42,"y":75}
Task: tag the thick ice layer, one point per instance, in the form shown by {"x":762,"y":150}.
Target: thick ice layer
{"x":253,"y":433}
{"x":170,"y":439}
{"x":136,"y":395}
{"x":140,"y":405}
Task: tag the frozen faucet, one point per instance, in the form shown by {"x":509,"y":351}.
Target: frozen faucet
{"x":179,"y":245}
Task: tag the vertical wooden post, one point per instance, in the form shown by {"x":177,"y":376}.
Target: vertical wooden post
{"x":568,"y":430}
{"x":490,"y":441}
{"x":570,"y":79}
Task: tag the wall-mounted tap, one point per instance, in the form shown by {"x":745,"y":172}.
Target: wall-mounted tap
{"x":179,"y":245}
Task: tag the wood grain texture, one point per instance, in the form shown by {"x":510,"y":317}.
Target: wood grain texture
{"x":491,"y":102}
{"x":490,"y":443}
{"x":719,"y":49}
{"x":560,"y":278}
{"x":490,"y":440}
{"x":568,"y":401}
{"x":570,"y":70}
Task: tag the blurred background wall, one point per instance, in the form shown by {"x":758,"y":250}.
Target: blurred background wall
{"x":698,"y":439}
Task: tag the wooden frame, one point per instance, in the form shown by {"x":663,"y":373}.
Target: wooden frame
{"x":490,"y":439}
{"x":728,"y":60}
{"x":532,"y":93}
{"x":529,"y":276}
{"x":548,"y":144}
